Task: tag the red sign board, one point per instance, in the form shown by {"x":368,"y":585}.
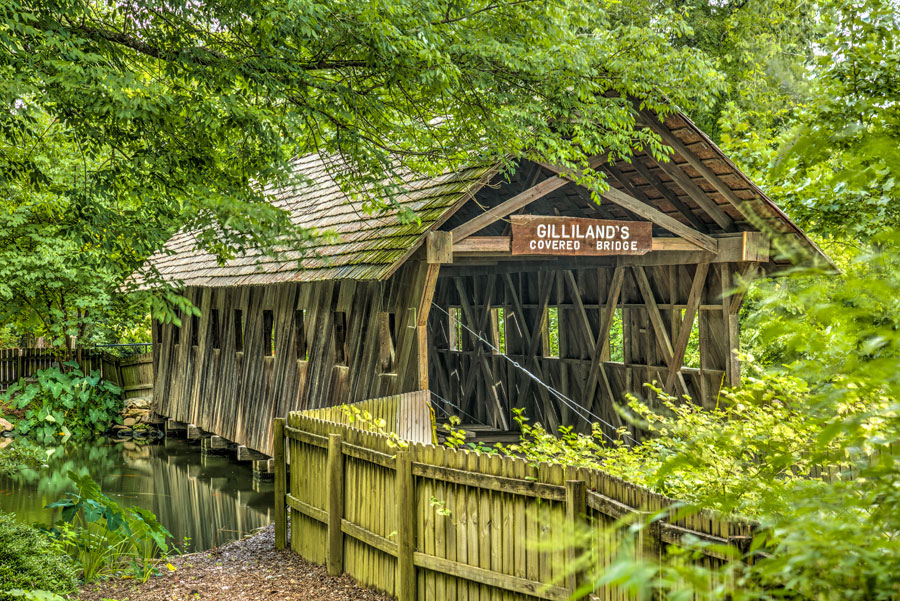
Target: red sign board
{"x":539,"y":235}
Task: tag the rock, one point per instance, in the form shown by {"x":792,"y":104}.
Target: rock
{"x":130,"y":421}
{"x":142,"y":402}
{"x":124,"y":433}
{"x":5,"y":442}
{"x":5,"y":426}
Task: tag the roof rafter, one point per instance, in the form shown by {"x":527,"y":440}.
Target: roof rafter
{"x":515,"y":203}
{"x":650,"y":213}
{"x":657,"y":183}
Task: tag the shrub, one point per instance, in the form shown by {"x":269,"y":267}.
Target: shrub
{"x":20,"y":455}
{"x":63,"y":404}
{"x":29,"y":559}
{"x":105,"y":539}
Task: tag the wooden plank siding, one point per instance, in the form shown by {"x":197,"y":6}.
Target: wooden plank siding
{"x":236,"y":393}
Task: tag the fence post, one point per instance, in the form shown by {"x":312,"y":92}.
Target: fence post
{"x":280,"y":485}
{"x":335,"y":477}
{"x":19,"y":366}
{"x":576,"y":509}
{"x":406,"y":535}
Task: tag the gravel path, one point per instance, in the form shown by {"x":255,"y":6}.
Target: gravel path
{"x":250,"y":569}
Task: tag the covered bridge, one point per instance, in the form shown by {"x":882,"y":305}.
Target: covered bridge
{"x":514,"y":292}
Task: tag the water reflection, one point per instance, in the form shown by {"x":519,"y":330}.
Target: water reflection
{"x":209,"y":499}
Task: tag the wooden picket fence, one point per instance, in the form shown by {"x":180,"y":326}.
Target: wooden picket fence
{"x":409,"y":415}
{"x":133,"y":374}
{"x":18,"y":363}
{"x":432,"y":523}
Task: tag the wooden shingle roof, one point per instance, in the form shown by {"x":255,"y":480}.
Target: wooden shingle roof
{"x":368,"y":247}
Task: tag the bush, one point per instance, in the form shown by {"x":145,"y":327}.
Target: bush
{"x":63,"y":404}
{"x":29,"y":559}
{"x":21,"y":455}
{"x":105,"y":539}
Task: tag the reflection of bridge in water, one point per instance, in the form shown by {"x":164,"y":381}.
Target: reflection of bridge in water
{"x":209,"y":499}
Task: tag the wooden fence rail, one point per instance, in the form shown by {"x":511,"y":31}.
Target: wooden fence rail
{"x":432,"y":523}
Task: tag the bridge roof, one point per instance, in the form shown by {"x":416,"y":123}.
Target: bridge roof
{"x":372,"y":247}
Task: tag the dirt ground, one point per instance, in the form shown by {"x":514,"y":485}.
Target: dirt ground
{"x":250,"y":569}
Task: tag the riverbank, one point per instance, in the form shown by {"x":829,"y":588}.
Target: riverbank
{"x":250,"y":569}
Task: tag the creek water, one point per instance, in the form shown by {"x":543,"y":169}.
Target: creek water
{"x":204,"y":500}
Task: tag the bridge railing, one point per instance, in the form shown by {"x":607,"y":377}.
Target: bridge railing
{"x":431,"y":523}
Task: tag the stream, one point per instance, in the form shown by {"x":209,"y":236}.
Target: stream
{"x":204,"y":500}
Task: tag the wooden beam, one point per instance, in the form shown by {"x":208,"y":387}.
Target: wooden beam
{"x":656,"y":320}
{"x":746,"y":278}
{"x":657,"y":183}
{"x":479,"y":358}
{"x":687,"y":324}
{"x":527,"y":336}
{"x":531,"y":355}
{"x":743,"y":248}
{"x":439,"y":247}
{"x":501,"y":245}
{"x":680,"y":206}
{"x":661,"y":219}
{"x":630,"y":203}
{"x":606,"y":317}
{"x":595,"y":347}
{"x":694,"y":161}
{"x":515,"y":203}
{"x":698,"y":195}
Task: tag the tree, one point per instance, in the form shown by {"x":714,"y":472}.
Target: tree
{"x":125,"y":121}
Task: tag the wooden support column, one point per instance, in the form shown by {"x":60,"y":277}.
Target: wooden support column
{"x":280,"y":485}
{"x":576,"y":509}
{"x":424,"y":310}
{"x":406,"y":535}
{"x":334,"y":477}
{"x":732,"y":328}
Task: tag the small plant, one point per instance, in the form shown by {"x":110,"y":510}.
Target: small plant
{"x":31,"y":560}
{"x":22,"y":454}
{"x":106,"y":539}
{"x":456,"y":437}
{"x":440,"y":507}
{"x":34,"y":595}
{"x":366,"y":421}
{"x":63,"y":404}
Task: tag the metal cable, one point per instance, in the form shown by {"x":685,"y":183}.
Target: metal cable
{"x":575,"y":407}
{"x":457,"y":407}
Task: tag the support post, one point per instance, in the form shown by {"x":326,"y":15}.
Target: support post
{"x":335,"y":482}
{"x":406,"y":536}
{"x":280,"y":486}
{"x":576,"y":508}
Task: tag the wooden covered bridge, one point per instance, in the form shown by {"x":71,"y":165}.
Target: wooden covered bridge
{"x":516,"y":292}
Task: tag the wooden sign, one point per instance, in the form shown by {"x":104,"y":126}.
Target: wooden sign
{"x":539,"y":235}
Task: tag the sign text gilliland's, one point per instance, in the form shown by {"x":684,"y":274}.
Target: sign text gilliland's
{"x":538,"y":235}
